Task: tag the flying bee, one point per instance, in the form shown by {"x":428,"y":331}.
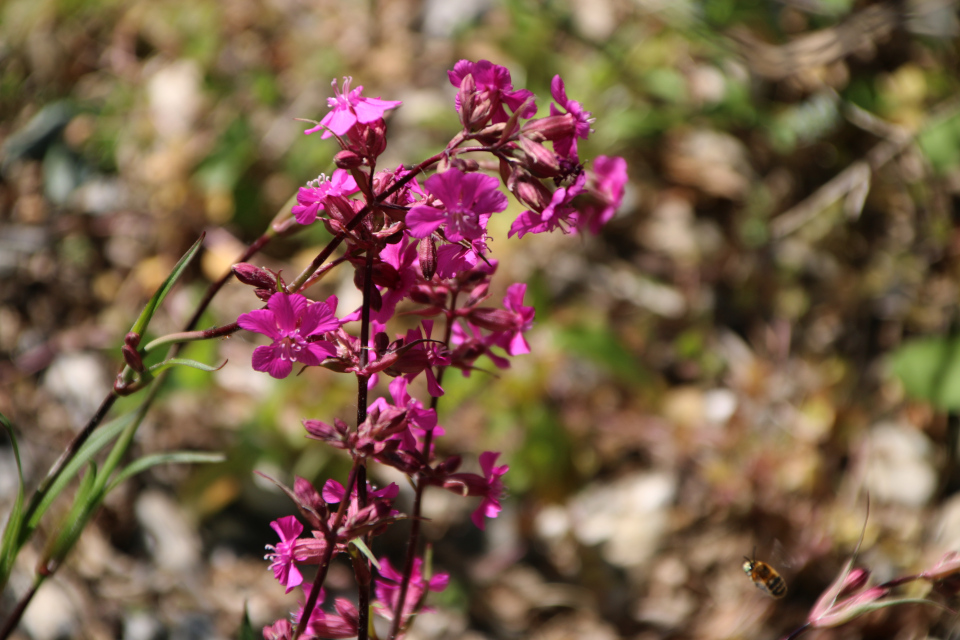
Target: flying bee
{"x":765,"y":577}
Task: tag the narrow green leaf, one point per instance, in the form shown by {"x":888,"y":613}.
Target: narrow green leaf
{"x":150,"y":308}
{"x":365,"y":550}
{"x":100,"y":438}
{"x":10,"y":546}
{"x":186,"y":362}
{"x":246,"y":629}
{"x":173,"y":457}
{"x":85,"y":504}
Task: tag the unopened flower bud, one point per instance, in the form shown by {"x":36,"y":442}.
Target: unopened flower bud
{"x":381,"y":341}
{"x":532,"y":193}
{"x":539,"y":160}
{"x":466,"y":165}
{"x":466,"y":95}
{"x":132,"y":357}
{"x":347,"y":159}
{"x":132,"y":339}
{"x":427,"y":254}
{"x":550,"y":128}
{"x":254,"y":276}
{"x":493,"y":319}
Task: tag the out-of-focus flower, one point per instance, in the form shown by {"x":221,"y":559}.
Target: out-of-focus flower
{"x":606,"y":185}
{"x":387,"y":588}
{"x":282,"y":555}
{"x":567,"y":147}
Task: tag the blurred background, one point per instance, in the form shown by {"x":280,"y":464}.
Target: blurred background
{"x":764,"y":334}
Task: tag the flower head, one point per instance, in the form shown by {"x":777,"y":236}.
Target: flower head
{"x":567,"y":147}
{"x":311,"y":198}
{"x":493,"y":476}
{"x":606,"y":184}
{"x":282,"y":555}
{"x":387,"y":588}
{"x":349,"y":108}
{"x":494,"y":89}
{"x":558,"y":214}
{"x":290,"y":320}
{"x":467,"y":199}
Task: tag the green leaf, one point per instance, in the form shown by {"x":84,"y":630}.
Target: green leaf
{"x":172,"y":457}
{"x":246,"y":629}
{"x":929,"y":369}
{"x":365,"y":550}
{"x":140,"y":326}
{"x":186,"y":362}
{"x":11,"y":544}
{"x":100,"y":438}
{"x":85,"y":504}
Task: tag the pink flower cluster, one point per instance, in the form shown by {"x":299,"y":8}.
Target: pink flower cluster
{"x":422,"y":248}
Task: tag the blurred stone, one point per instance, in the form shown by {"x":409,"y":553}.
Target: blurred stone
{"x":594,"y":18}
{"x":627,"y":517}
{"x":175,"y":98}
{"x":51,"y":615}
{"x":719,"y":405}
{"x":141,"y":625}
{"x":441,"y":19}
{"x":714,"y":162}
{"x":898,"y":465}
{"x":670,"y":228}
{"x":707,"y":84}
{"x":948,"y":526}
{"x":173,"y":540}
{"x":79,"y":382}
{"x":100,"y":195}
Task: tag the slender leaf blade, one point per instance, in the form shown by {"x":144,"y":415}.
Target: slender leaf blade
{"x":173,"y":457}
{"x":140,"y":326}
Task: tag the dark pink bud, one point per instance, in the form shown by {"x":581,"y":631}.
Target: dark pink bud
{"x":336,"y":435}
{"x":448,"y":466}
{"x":347,"y":159}
{"x":254,"y":276}
{"x":550,"y":128}
{"x":466,"y":95}
{"x":539,"y":160}
{"x":493,"y":319}
{"x":380,"y":342}
{"x":132,"y":339}
{"x":132,"y":358}
{"x":427,"y":254}
{"x":466,"y":165}
{"x":532,"y":193}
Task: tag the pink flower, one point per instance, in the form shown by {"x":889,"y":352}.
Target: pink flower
{"x":468,"y":201}
{"x":558,"y":214}
{"x":342,"y":624}
{"x":512,"y":341}
{"x":290,"y":320}
{"x":494,"y":86}
{"x":489,"y":486}
{"x":349,"y":108}
{"x":490,"y":505}
{"x":311,"y":198}
{"x":453,"y":259}
{"x":282,"y":556}
{"x":402,"y":258}
{"x":606,"y":184}
{"x":567,"y":147}
{"x":387,"y":588}
{"x":279,"y":630}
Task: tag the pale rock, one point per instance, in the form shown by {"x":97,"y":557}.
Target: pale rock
{"x":898,"y":465}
